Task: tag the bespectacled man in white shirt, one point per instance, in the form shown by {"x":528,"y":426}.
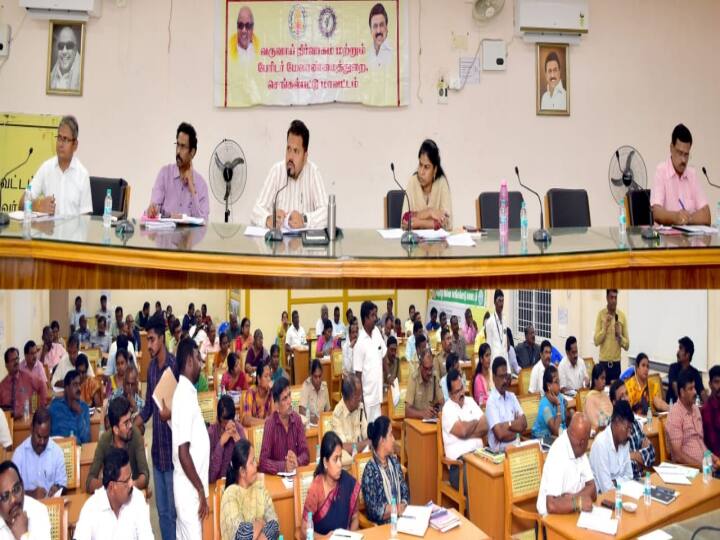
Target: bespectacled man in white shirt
{"x":22,"y":517}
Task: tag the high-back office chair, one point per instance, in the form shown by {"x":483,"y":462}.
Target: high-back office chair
{"x":487,"y":210}
{"x":120,"y":190}
{"x":393,"y":208}
{"x":637,"y":208}
{"x":567,"y":208}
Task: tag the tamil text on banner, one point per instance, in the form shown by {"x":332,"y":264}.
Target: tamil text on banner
{"x":302,"y":53}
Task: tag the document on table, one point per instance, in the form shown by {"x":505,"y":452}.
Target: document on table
{"x":251,"y":230}
{"x":342,"y":534}
{"x":670,"y":477}
{"x":632,"y":489}
{"x":695,"y":229}
{"x":415,"y":520}
{"x":673,"y":468}
{"x":432,"y":234}
{"x":600,"y":520}
{"x":460,"y":240}
{"x":656,"y":535}
{"x":390,"y":234}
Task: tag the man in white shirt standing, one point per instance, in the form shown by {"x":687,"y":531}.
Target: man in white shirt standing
{"x":117,"y":510}
{"x":190,"y":446}
{"x":22,"y":516}
{"x":538,"y":370}
{"x":573,"y":375}
{"x":380,"y":53}
{"x":610,"y":453}
{"x":367,"y":360}
{"x":463,"y":425}
{"x":567,"y":485}
{"x":495,"y":329}
{"x":297,"y":184}
{"x":61,"y":186}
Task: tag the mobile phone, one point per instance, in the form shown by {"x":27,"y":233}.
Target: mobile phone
{"x":607,"y":504}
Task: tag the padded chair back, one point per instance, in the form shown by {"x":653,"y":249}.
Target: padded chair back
{"x":663,"y":439}
{"x":325,"y":424}
{"x":530,"y":405}
{"x":524,"y":381}
{"x":216,"y":500}
{"x":208,"y":406}
{"x":522,"y":473}
{"x":589,"y":365}
{"x":655,"y":379}
{"x":393,"y":208}
{"x":301,"y":484}
{"x":568,"y":207}
{"x":489,"y":204}
{"x":358,"y":468}
{"x":71,"y":456}
{"x":98,"y":188}
{"x":638,"y":205}
{"x":255,"y":436}
{"x":397,"y":412}
{"x":295,"y":392}
{"x":580,"y":399}
{"x":58,"y":515}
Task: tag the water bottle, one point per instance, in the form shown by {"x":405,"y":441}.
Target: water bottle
{"x":26,"y":411}
{"x":503,"y":209}
{"x":331,"y":218}
{"x":618,"y":501}
{"x":649,"y":417}
{"x":517,"y":440}
{"x":523,"y":222}
{"x":107,"y":209}
{"x":393,"y":518}
{"x":622,"y":221}
{"x":354,"y":453}
{"x":647,"y":490}
{"x":317,"y":454}
{"x":707,"y":467}
{"x":27,"y":204}
{"x":310,"y":534}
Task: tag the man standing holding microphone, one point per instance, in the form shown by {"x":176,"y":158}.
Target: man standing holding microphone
{"x":611,"y":334}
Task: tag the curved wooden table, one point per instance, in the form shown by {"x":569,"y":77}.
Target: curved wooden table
{"x":211,"y":257}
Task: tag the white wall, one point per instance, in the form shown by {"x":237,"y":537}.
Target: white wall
{"x":645,"y":66}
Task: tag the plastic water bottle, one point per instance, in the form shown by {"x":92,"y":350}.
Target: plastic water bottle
{"x":649,"y":417}
{"x":26,"y":411}
{"x":310,"y":534}
{"x":354,"y":453}
{"x":503,"y":204}
{"x":27,"y":204}
{"x":517,"y":440}
{"x":618,"y":501}
{"x":707,"y":466}
{"x":647,"y":489}
{"x":622,"y":220}
{"x":523,"y":222}
{"x":393,"y":518}
{"x":107,"y":209}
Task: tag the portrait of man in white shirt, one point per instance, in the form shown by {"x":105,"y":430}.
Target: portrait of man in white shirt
{"x":380,"y":53}
{"x":555,"y":96}
{"x":66,"y":59}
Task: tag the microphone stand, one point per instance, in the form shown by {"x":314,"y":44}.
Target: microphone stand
{"x":4,"y":217}
{"x":275,"y":234}
{"x":541,"y":235}
{"x":408,"y":237}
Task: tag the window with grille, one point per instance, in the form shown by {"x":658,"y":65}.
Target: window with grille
{"x":533,"y":307}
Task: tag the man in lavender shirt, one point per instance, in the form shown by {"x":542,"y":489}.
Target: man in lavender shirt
{"x":180,"y":189}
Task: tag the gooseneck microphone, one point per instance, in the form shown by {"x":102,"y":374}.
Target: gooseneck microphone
{"x":408,"y":237}
{"x":704,"y":170}
{"x":5,"y":218}
{"x":541,"y":235}
{"x":275,"y":234}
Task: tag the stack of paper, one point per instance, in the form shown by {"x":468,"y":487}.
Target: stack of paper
{"x":600,"y":520}
{"x":460,"y":240}
{"x":441,"y":519}
{"x":391,"y":234}
{"x":414,"y":520}
{"x":344,"y":534}
{"x":670,"y":473}
{"x":632,"y":489}
{"x":432,"y":234}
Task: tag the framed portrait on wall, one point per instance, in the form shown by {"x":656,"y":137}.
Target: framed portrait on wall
{"x":553,"y":85}
{"x":66,"y":51}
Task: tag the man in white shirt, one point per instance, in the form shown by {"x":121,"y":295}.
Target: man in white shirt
{"x":190,"y":446}
{"x":116,"y":511}
{"x":75,"y":315}
{"x":297,"y":185}
{"x":61,"y":186}
{"x":538,"y":370}
{"x":104,"y":311}
{"x":495,"y":329}
{"x":295,"y":336}
{"x":573,"y":375}
{"x":505,"y":417}
{"x":339,"y":329}
{"x":567,"y":485}
{"x":555,"y":97}
{"x":610,"y":453}
{"x":22,"y":516}
{"x":348,"y":346}
{"x":211,"y":343}
{"x":463,"y":425}
{"x":320,"y":324}
{"x":367,"y":360}
{"x":380,"y":53}
{"x":245,"y":38}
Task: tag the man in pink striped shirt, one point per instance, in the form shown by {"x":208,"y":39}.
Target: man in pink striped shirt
{"x":51,"y":353}
{"x":676,"y":197}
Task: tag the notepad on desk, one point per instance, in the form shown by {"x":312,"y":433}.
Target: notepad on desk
{"x":414,"y":520}
{"x":344,"y":534}
{"x":600,"y":520}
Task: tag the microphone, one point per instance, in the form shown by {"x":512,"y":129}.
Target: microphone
{"x":704,"y":170}
{"x":275,"y":234}
{"x":541,"y":235}
{"x":5,"y":218}
{"x":408,"y":237}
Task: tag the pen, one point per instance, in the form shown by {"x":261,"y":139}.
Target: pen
{"x":681,"y":204}
{"x":406,"y":517}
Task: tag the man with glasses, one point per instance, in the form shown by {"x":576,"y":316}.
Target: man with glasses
{"x":66,"y":73}
{"x":505,"y":417}
{"x":676,"y":196}
{"x":61,"y":186}
{"x":117,"y":506}
{"x":180,"y":189}
{"x":22,"y":517}
{"x":244,"y":42}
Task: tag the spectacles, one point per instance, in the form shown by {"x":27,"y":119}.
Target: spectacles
{"x":16,"y":490}
{"x":243,"y":26}
{"x":69,"y":45}
{"x":64,"y":140}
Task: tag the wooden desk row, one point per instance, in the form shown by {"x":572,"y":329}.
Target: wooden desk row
{"x":21,"y":429}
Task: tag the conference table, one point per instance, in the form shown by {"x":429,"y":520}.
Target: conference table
{"x":79,"y":252}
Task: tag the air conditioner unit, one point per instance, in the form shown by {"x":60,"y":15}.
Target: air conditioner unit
{"x":63,"y":10}
{"x":554,"y":21}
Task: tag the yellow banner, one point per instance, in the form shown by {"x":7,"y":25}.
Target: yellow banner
{"x":19,"y":133}
{"x":301,"y":53}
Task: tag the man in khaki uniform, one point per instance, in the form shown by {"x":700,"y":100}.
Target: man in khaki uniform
{"x":424,"y":398}
{"x":445,"y":350}
{"x":349,"y":420}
